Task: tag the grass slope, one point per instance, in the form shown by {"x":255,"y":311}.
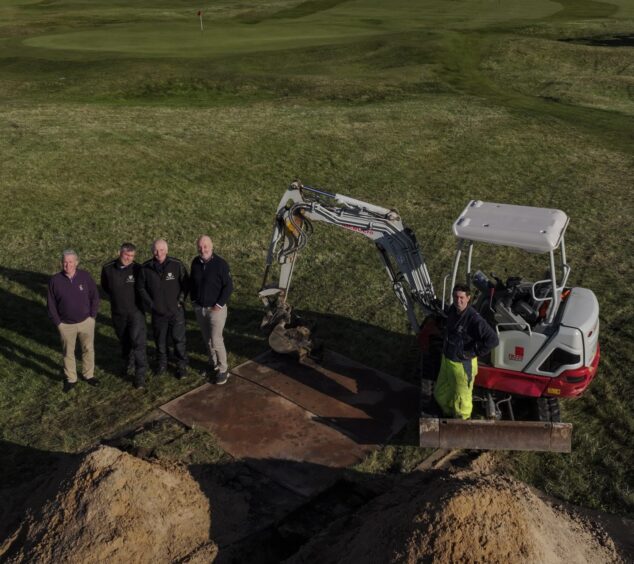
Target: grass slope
{"x":123,"y":121}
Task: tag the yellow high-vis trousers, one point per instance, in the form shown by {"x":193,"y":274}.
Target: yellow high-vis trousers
{"x":454,"y":388}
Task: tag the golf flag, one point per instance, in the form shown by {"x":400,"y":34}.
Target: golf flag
{"x":200,"y":15}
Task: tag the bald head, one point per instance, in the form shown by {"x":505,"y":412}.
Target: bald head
{"x":205,"y":247}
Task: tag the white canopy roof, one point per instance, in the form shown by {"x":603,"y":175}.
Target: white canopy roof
{"x":538,"y":230}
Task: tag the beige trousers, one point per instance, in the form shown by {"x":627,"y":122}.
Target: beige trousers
{"x":69,"y":332}
{"x":212,"y":324}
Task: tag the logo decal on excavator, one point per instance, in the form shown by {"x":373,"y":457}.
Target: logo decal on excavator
{"x":517,"y":355}
{"x":358,"y":229}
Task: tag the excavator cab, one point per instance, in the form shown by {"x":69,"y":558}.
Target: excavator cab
{"x":548,"y":334}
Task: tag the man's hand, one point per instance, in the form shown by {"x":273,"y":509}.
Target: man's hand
{"x":217,"y":308}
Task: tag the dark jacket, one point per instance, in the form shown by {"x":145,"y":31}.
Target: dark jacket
{"x":210,"y":282}
{"x":72,"y":301}
{"x":119,"y":283}
{"x":467,"y":335}
{"x":163,"y":287}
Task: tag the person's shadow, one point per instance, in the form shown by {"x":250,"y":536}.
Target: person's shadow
{"x":30,"y":339}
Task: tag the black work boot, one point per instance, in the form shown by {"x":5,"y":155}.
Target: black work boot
{"x":161,"y":366}
{"x":139,"y":381}
{"x":181,"y":372}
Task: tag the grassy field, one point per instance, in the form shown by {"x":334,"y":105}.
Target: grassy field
{"x":123,"y":121}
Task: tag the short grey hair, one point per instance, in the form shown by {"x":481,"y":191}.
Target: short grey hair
{"x":69,"y":252}
{"x":156,"y":241}
{"x":204,"y":237}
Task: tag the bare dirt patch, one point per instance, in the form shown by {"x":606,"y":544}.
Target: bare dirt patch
{"x":467,"y":516}
{"x":110,"y":506}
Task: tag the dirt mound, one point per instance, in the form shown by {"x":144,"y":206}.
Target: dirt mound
{"x":112,"y":507}
{"x":440,"y":517}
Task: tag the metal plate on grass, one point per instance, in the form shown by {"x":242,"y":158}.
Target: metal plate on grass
{"x":367,"y":405}
{"x":296,"y":423}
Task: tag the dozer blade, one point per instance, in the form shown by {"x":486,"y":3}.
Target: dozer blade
{"x":495,"y":435}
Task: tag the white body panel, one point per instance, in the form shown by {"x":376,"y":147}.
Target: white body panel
{"x":566,"y":339}
{"x":582,"y":312}
{"x":516,"y":349}
{"x":575,"y":340}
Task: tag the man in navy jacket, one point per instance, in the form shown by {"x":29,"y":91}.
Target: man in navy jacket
{"x":73,"y":302}
{"x":211,"y":287}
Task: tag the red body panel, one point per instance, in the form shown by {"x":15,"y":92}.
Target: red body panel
{"x":569,"y":383}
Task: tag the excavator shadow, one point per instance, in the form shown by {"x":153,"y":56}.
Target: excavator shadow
{"x":330,"y":414}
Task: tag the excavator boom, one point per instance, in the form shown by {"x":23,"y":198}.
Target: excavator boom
{"x":397,"y":246}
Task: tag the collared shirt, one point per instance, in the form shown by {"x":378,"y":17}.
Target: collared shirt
{"x":72,"y":300}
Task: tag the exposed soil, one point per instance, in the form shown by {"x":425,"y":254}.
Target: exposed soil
{"x":470,"y":516}
{"x":110,"y":506}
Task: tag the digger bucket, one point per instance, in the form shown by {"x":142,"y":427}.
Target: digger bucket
{"x":495,"y":435}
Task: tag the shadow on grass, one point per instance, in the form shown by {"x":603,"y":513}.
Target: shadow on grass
{"x":383,"y":403}
{"x":27,"y":475}
{"x":378,"y":405}
{"x":28,"y":320}
{"x":258,"y":518}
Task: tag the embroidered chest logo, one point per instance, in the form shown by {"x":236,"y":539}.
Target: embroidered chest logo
{"x":170,"y":276}
{"x":130,"y":279}
{"x":81,"y":287}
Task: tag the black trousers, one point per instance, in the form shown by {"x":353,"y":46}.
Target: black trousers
{"x":174,"y":326}
{"x":130,"y":330}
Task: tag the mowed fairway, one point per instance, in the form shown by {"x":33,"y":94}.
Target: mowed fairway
{"x":123,"y":121}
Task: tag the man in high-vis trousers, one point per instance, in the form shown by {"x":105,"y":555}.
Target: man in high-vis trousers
{"x":467,"y":336}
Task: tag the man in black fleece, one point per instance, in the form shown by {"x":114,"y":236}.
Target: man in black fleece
{"x":163,"y":284}
{"x":211,"y":286}
{"x":118,"y":281}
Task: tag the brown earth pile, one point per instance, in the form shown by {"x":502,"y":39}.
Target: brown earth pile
{"x":113,"y":507}
{"x":464,"y":517}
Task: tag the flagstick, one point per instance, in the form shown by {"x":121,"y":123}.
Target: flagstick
{"x":201,"y":21}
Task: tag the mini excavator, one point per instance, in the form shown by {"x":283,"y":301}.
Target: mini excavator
{"x":548,"y":331}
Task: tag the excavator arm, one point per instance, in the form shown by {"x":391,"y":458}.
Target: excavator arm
{"x":396,"y":244}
